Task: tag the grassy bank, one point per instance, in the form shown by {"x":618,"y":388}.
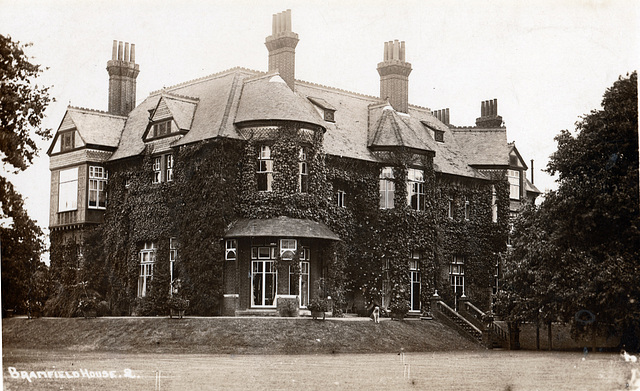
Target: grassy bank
{"x":230,"y":335}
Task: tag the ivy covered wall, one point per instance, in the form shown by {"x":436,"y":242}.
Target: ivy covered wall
{"x":215,"y":183}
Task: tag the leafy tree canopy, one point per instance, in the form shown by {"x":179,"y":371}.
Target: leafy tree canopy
{"x":580,"y":249}
{"x":22,"y":105}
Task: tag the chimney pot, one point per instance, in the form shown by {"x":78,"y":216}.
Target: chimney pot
{"x":396,"y":50}
{"x":482,"y":109}
{"x":287,"y":26}
{"x":133,"y":53}
{"x":114,"y":52}
{"x":274,"y":22}
{"x":126,"y":52}
{"x":402,"y":51}
{"x":495,"y":107}
{"x":120,"y":50}
{"x":446,"y":116}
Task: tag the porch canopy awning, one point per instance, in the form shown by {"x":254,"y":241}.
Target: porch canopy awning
{"x":280,"y":227}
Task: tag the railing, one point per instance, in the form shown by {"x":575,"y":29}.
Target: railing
{"x":478,"y":314}
{"x":453,"y":315}
{"x":498,"y":331}
{"x":474,"y":311}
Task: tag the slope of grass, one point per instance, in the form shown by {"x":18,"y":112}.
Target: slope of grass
{"x":230,"y":335}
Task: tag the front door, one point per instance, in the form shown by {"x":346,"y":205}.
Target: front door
{"x":415,"y":285}
{"x":264,"y":277}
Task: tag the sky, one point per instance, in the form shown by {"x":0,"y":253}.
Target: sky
{"x":546,"y":62}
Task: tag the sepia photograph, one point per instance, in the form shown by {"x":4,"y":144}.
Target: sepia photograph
{"x":321,"y":194}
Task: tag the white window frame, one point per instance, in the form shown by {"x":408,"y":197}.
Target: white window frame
{"x":288,"y":248}
{"x":265,"y":167}
{"x":341,"y":196}
{"x":303,"y":279}
{"x":415,"y":281}
{"x":263,"y":266}
{"x":68,"y":190}
{"x":415,"y":188}
{"x":467,"y":210}
{"x":387,"y":188}
{"x":147,"y":260}
{"x":456,"y":274}
{"x":173,"y":257}
{"x":231,"y":250}
{"x":157,"y":169}
{"x":168,"y":167}
{"x":514,"y":184}
{"x":97,"y":186}
{"x":494,"y":204}
{"x":303,"y":170}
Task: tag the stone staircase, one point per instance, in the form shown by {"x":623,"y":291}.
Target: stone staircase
{"x":471,"y":322}
{"x":465,"y":327}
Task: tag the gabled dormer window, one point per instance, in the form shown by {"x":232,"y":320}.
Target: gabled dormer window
{"x":161,"y":129}
{"x":67,"y":141}
{"x":324,"y":108}
{"x":438,"y":135}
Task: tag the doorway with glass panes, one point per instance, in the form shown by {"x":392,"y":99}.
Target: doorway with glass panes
{"x":264,"y":277}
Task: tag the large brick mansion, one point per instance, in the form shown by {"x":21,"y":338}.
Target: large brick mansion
{"x":245,"y":187}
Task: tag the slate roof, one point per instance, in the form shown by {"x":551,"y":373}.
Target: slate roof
{"x":269,"y":98}
{"x":241,"y":96}
{"x":218,"y":95}
{"x":394,"y":130}
{"x":94,"y":127}
{"x":530,"y":187}
{"x":484,"y":147}
{"x":280,"y":226}
{"x":182,"y":109}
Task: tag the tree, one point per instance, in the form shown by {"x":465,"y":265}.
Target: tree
{"x":22,"y":107}
{"x":579,"y":253}
{"x":24,"y":277}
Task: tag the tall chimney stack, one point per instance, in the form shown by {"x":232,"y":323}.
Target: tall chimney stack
{"x":282,"y":48}
{"x":489,"y":117}
{"x":122,"y":78}
{"x":394,"y":76}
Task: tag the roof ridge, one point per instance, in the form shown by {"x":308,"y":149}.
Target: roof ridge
{"x":204,"y":78}
{"x":337,"y":89}
{"x":85,"y":109}
{"x":454,"y":127}
{"x":180,"y":97}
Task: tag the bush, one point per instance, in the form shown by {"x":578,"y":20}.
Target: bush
{"x":318,"y":305}
{"x":103,"y":309}
{"x":288,"y":306}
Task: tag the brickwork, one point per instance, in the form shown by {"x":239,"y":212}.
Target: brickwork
{"x":394,"y":76}
{"x":122,"y":79}
{"x":281,"y":45}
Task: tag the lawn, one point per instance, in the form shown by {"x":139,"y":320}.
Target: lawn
{"x":454,"y":370}
{"x":230,"y":335}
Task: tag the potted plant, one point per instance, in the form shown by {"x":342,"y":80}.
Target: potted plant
{"x":318,"y":307}
{"x":399,"y":309}
{"x":177,"y":306}
{"x":88,"y":306}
